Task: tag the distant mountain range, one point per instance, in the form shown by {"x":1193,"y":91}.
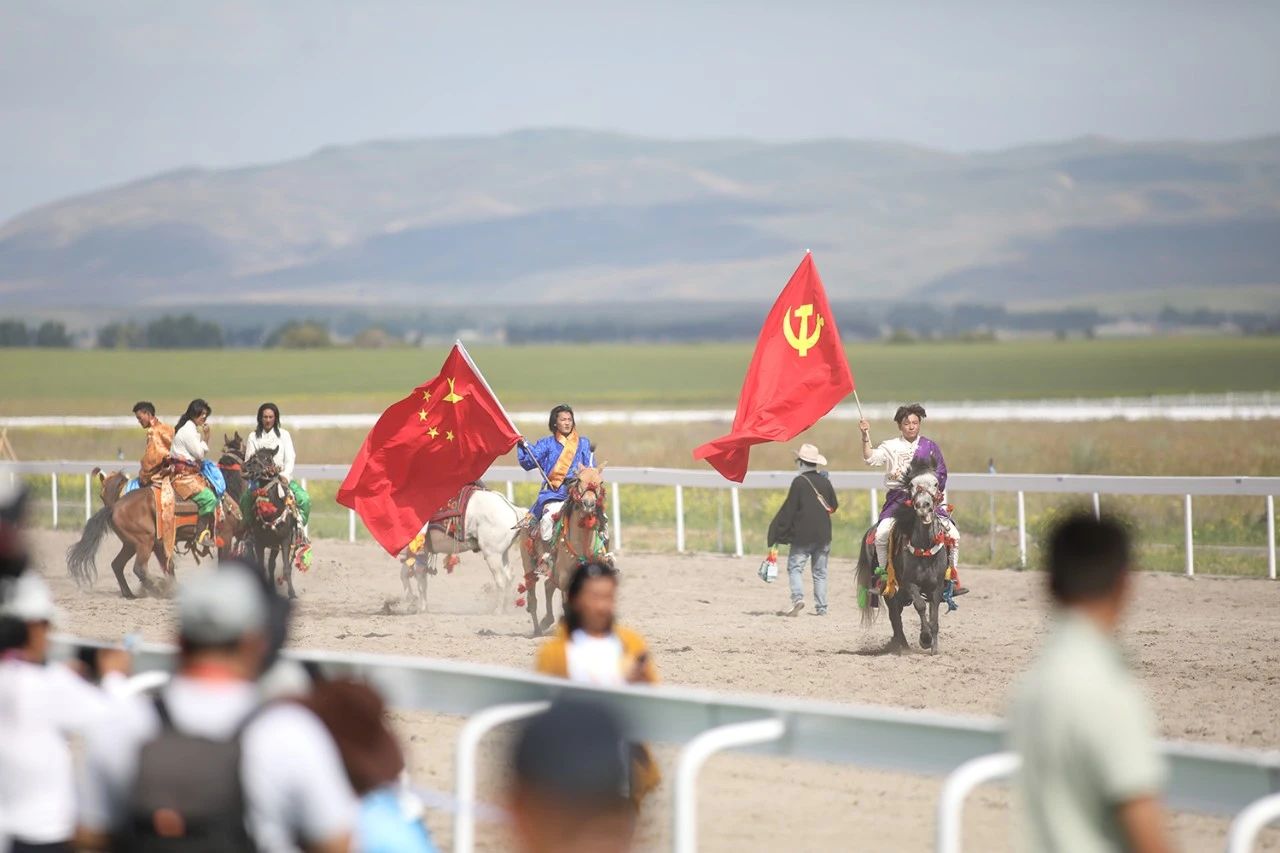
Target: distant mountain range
{"x":567,"y":215}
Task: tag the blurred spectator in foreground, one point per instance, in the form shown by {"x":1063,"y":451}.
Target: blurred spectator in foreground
{"x":570,"y":788}
{"x":590,"y":647}
{"x":203,"y":765}
{"x":1091,"y":772}
{"x":41,"y":704}
{"x":390,"y":821}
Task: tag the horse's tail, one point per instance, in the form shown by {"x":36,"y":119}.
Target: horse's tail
{"x":82,"y":557}
{"x":865,"y":581}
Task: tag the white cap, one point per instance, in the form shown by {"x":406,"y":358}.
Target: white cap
{"x":30,"y":600}
{"x":221,"y":606}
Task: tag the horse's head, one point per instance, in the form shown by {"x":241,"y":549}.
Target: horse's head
{"x":586,"y":490}
{"x":233,"y":446}
{"x":110,"y":486}
{"x":262,"y":464}
{"x":924,"y":489}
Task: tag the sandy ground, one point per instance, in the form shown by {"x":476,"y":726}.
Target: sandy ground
{"x":1207,"y":652}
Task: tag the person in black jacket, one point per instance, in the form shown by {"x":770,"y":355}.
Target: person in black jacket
{"x":804,"y":523}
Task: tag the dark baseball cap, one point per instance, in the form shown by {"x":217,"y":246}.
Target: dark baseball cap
{"x":574,"y":750}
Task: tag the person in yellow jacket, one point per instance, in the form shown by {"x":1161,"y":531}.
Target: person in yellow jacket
{"x":590,"y":647}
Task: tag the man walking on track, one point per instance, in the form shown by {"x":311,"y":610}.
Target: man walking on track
{"x":804,"y":522}
{"x":1091,"y":771}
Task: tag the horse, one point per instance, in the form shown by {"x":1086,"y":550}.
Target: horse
{"x":918,"y":552}
{"x":273,"y":523}
{"x":490,"y":527}
{"x":575,"y":542}
{"x":132,"y":517}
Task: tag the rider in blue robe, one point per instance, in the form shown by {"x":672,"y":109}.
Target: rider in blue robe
{"x":558,"y":456}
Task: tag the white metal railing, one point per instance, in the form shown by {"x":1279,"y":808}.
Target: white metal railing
{"x":956,"y":789}
{"x":682,"y":478}
{"x":1249,"y":824}
{"x":1208,"y":778}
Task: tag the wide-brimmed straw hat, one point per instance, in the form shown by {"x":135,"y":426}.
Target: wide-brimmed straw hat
{"x":809,"y":453}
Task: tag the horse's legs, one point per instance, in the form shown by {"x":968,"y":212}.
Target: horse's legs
{"x":933,"y":620}
{"x":548,"y":589}
{"x":424,"y":578}
{"x":498,"y":569}
{"x":288,"y":561}
{"x":406,"y":579}
{"x":117,"y":566}
{"x":919,"y":602}
{"x":143,"y":551}
{"x":895,"y":605}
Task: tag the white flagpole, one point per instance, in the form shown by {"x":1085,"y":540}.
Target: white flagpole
{"x":476,"y":369}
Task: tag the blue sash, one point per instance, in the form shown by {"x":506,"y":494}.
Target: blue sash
{"x":213,"y":474}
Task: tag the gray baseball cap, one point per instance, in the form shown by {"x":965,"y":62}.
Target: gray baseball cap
{"x":221,"y":606}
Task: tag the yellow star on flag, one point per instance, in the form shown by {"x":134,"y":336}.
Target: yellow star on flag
{"x":433,"y":432}
{"x":426,"y":396}
{"x":448,"y":436}
{"x":422,"y":415}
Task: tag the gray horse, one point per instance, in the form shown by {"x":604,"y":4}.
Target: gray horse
{"x":919,"y":556}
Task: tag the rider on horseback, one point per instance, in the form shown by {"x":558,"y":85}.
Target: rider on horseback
{"x":271,"y":436}
{"x":896,"y":455}
{"x":558,"y":456}
{"x":159,"y":442}
{"x":186,"y":459}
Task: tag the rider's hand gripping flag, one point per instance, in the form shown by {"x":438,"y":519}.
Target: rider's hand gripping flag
{"x":797,"y":375}
{"x":424,"y":449}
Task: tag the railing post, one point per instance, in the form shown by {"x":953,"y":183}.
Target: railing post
{"x":1190,"y":541}
{"x":511,"y":491}
{"x":53,"y":491}
{"x":1247,"y":825}
{"x":737,"y":522}
{"x":679,"y":518}
{"x":875,"y":516}
{"x":480,"y":724}
{"x":1271,"y":537}
{"x":615,"y":518}
{"x":1097,"y":507}
{"x":1022,"y":530}
{"x":351,"y":525}
{"x":88,"y":501}
{"x":694,"y":755}
{"x":957,"y":787}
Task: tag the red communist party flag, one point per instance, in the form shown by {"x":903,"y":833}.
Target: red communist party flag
{"x":797,"y":375}
{"x":424,"y":449}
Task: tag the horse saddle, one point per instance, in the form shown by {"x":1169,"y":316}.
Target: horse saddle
{"x":450,"y":518}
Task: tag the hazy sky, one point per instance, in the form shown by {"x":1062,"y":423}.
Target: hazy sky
{"x":94,"y":92}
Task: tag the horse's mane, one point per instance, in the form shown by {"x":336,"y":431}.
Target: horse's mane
{"x":927,"y":465}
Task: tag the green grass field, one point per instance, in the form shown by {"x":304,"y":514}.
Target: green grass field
{"x":344,"y":380}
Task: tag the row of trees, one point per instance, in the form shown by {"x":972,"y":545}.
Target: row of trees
{"x":15,"y":333}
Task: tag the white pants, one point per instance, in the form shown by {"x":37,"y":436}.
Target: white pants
{"x":547,"y":525}
{"x":884,"y":528}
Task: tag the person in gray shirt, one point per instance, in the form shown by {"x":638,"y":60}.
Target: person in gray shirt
{"x":1091,"y":771}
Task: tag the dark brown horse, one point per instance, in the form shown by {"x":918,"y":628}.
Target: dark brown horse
{"x":132,"y":517}
{"x":577,"y":540}
{"x":272,"y":527}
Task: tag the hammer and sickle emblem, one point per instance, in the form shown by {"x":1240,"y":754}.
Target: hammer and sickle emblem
{"x":802,"y":342}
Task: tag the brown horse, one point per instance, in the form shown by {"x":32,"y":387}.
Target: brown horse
{"x":132,"y":517}
{"x":576,"y":541}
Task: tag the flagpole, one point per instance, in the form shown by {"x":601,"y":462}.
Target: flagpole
{"x":476,"y":369}
{"x":855,"y":399}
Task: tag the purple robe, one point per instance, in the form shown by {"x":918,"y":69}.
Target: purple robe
{"x":896,"y":497}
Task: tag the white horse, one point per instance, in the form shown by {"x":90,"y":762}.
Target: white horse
{"x":491,"y":529}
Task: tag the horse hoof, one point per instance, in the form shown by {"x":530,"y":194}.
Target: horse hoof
{"x":926,"y":641}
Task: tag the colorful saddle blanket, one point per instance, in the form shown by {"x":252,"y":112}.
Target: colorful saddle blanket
{"x":451,"y":518}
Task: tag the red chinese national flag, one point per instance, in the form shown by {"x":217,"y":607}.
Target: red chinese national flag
{"x":424,"y":449}
{"x":797,"y":375}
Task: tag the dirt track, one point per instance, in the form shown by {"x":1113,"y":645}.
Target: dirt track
{"x":1207,"y":650}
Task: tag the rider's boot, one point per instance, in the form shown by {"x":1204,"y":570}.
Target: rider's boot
{"x":204,"y":534}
